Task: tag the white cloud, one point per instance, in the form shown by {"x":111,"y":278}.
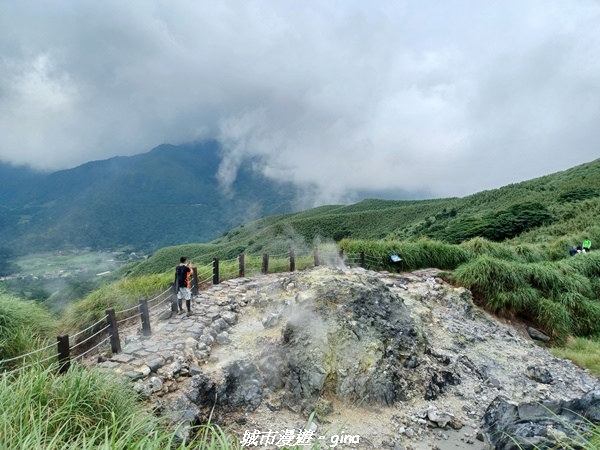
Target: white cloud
{"x":448,"y":97}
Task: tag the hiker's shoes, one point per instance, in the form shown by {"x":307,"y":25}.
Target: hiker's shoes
{"x":189,"y":313}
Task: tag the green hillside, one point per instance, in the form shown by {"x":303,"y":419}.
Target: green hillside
{"x":555,"y":211}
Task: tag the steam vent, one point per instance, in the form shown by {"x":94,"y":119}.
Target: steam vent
{"x":399,"y":359}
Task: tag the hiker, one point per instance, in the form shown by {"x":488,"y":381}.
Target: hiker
{"x":183,"y":278}
{"x":587,"y":245}
{"x":573,"y":251}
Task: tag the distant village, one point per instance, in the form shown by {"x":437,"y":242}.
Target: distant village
{"x":106,"y":263}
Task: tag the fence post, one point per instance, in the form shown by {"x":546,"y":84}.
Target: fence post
{"x":316,"y":252}
{"x":194,"y":281}
{"x":341,"y":254}
{"x":146,"y":331}
{"x":111,"y":319}
{"x":362,"y":260}
{"x":292,"y":260}
{"x":64,"y":362}
{"x":174,"y":289}
{"x":242,"y":267}
{"x":265,"y":264}
{"x":215,"y":271}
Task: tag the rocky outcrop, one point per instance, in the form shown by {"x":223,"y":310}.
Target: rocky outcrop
{"x":403,"y":360}
{"x":536,"y":425}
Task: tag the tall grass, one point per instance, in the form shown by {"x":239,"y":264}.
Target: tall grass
{"x":421,"y":254}
{"x":25,"y":326}
{"x":82,"y":409}
{"x":558,"y":296}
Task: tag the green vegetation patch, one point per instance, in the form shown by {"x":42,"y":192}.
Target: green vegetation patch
{"x":558,"y":296}
{"x":496,"y":226}
{"x":82,"y":409}
{"x":583,"y":352}
{"x":576,"y":195}
{"x":25,"y":326}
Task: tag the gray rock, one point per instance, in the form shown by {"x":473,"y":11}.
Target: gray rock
{"x":195,"y":370}
{"x":230,"y":317}
{"x":156,"y":363}
{"x":271,"y":320}
{"x":439,"y":418}
{"x":223,"y":338}
{"x":165,"y":314}
{"x":134,"y":375}
{"x":537,"y":335}
{"x":540,"y":374}
{"x":539,"y":425}
{"x":220,"y":325}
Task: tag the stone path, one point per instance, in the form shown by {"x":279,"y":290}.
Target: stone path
{"x":179,"y":343}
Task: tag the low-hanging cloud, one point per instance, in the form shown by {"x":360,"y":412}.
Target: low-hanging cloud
{"x":441,"y":97}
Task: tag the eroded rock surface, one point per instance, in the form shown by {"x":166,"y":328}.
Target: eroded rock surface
{"x":403,"y":361}
{"x":535,"y":425}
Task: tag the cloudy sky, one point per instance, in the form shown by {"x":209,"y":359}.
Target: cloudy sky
{"x":447,"y":97}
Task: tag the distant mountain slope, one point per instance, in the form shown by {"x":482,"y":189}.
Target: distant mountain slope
{"x":547,"y":208}
{"x":166,"y":196}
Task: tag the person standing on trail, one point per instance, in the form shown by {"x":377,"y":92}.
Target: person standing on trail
{"x":183,"y":278}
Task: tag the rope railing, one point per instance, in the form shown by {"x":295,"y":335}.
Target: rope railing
{"x":207,"y":272}
{"x":160,"y":295}
{"x":89,"y":328}
{"x":128,"y":318}
{"x":89,"y":338}
{"x":158,"y":304}
{"x":127,"y":310}
{"x":81,"y":355}
{"x":129,"y":328}
{"x":26,"y":354}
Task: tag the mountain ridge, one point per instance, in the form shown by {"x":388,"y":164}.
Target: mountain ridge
{"x":142,"y":202}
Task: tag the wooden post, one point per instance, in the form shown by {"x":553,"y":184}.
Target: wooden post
{"x":341,"y":254}
{"x":215,"y":271}
{"x":292,"y":260}
{"x":174,"y":289}
{"x":111,"y":319}
{"x":64,"y":361}
{"x":316,"y":252}
{"x":362,"y":260}
{"x":265,"y":264}
{"x":194,"y":281}
{"x":146,"y":331}
{"x":242,"y":272}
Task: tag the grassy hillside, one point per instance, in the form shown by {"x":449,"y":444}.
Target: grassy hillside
{"x":554,"y":212}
